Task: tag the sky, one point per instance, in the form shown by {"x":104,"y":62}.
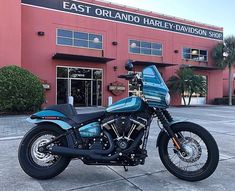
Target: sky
{"x":213,"y":12}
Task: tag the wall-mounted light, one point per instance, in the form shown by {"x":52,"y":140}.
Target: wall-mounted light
{"x":115,"y":43}
{"x":41,"y":33}
{"x":115,"y":68}
{"x":176,"y":51}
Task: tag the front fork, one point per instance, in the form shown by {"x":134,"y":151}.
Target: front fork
{"x":166,"y":119}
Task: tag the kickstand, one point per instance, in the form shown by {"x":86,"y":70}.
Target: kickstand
{"x":125,"y":168}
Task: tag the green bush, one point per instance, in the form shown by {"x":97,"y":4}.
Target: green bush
{"x":20,"y":90}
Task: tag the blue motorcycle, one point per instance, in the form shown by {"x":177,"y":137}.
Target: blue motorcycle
{"x":118,"y":135}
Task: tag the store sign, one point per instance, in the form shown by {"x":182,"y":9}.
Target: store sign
{"x":87,"y":9}
{"x":117,"y":88}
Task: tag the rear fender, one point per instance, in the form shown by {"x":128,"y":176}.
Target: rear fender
{"x":164,"y":132}
{"x":60,"y":123}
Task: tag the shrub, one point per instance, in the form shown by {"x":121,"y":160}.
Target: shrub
{"x":20,"y":90}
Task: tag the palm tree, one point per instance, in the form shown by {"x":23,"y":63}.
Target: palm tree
{"x":187,"y":83}
{"x":224,"y":56}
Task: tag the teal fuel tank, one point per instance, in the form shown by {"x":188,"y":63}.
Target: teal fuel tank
{"x":126,"y":105}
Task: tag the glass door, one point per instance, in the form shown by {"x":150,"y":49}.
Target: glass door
{"x":81,"y":92}
{"x":97,"y":93}
{"x":84,"y":84}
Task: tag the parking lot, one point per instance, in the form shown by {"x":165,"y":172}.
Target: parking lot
{"x":219,"y":120}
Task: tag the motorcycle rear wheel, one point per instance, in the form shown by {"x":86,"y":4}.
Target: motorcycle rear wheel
{"x":202,"y":152}
{"x":40,"y":165}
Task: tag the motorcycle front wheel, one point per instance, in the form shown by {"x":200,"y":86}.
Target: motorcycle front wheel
{"x":35,"y":163}
{"x":201,"y":155}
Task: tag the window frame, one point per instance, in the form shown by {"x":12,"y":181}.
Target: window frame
{"x":199,"y":55}
{"x":151,"y":49}
{"x":73,"y":39}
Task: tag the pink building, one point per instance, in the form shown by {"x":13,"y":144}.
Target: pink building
{"x":78,"y":48}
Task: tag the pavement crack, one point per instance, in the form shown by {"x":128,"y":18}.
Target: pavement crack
{"x":127,"y":179}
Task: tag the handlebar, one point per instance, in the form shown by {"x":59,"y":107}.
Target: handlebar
{"x":134,"y":78}
{"x":127,"y":76}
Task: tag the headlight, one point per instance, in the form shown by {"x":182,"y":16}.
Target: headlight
{"x":168,"y":99}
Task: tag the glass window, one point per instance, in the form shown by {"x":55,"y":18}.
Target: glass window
{"x":145,"y":45}
{"x":95,"y":45}
{"x":65,"y":41}
{"x":135,"y":50}
{"x":187,"y":56}
{"x":134,"y":43}
{"x":146,"y":48}
{"x":145,"y":51}
{"x":80,"y":73}
{"x":81,"y":43}
{"x":186,"y":50}
{"x":81,"y":35}
{"x":64,"y":33}
{"x":156,"y":46}
{"x":79,"y":39}
{"x":62,"y":91}
{"x":97,"y":74}
{"x":62,"y":72}
{"x":156,"y":52}
{"x":95,"y":38}
{"x":195,"y":54}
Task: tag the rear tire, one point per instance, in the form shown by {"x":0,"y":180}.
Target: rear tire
{"x":36,"y":164}
{"x":212,"y":153}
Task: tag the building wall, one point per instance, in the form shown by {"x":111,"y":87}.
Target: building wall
{"x":10,"y":33}
{"x":37,"y":51}
{"x":226,"y":82}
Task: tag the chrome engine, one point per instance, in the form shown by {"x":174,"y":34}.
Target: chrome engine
{"x":124,"y":129}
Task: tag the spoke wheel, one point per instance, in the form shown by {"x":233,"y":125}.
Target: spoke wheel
{"x":37,"y":164}
{"x":40,"y":158}
{"x":201,"y":155}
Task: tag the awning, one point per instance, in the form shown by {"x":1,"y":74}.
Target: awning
{"x":200,"y":67}
{"x":144,"y":63}
{"x":73,"y":57}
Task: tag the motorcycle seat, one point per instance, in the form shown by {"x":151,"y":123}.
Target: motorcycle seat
{"x":70,"y":112}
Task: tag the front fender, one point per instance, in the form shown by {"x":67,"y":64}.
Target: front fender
{"x":164,"y":132}
{"x":60,"y":123}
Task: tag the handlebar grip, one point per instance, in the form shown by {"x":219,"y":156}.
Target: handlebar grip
{"x":122,"y":76}
{"x":127,"y":76}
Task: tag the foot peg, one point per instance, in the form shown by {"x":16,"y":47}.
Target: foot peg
{"x":125,"y":168}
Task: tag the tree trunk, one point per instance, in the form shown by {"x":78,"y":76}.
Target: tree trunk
{"x":184,"y":99}
{"x":230,"y":87}
{"x":189,"y":99}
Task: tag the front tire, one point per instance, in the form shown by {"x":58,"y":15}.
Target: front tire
{"x":203,"y":154}
{"x":36,"y":164}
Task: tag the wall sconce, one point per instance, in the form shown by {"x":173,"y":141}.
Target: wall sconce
{"x":41,"y":33}
{"x":115,"y":68}
{"x":176,"y":51}
{"x":115,"y":43}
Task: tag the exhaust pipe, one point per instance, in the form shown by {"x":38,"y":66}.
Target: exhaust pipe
{"x":94,"y":154}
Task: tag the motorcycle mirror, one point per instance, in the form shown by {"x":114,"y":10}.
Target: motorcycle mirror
{"x":129,"y":66}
